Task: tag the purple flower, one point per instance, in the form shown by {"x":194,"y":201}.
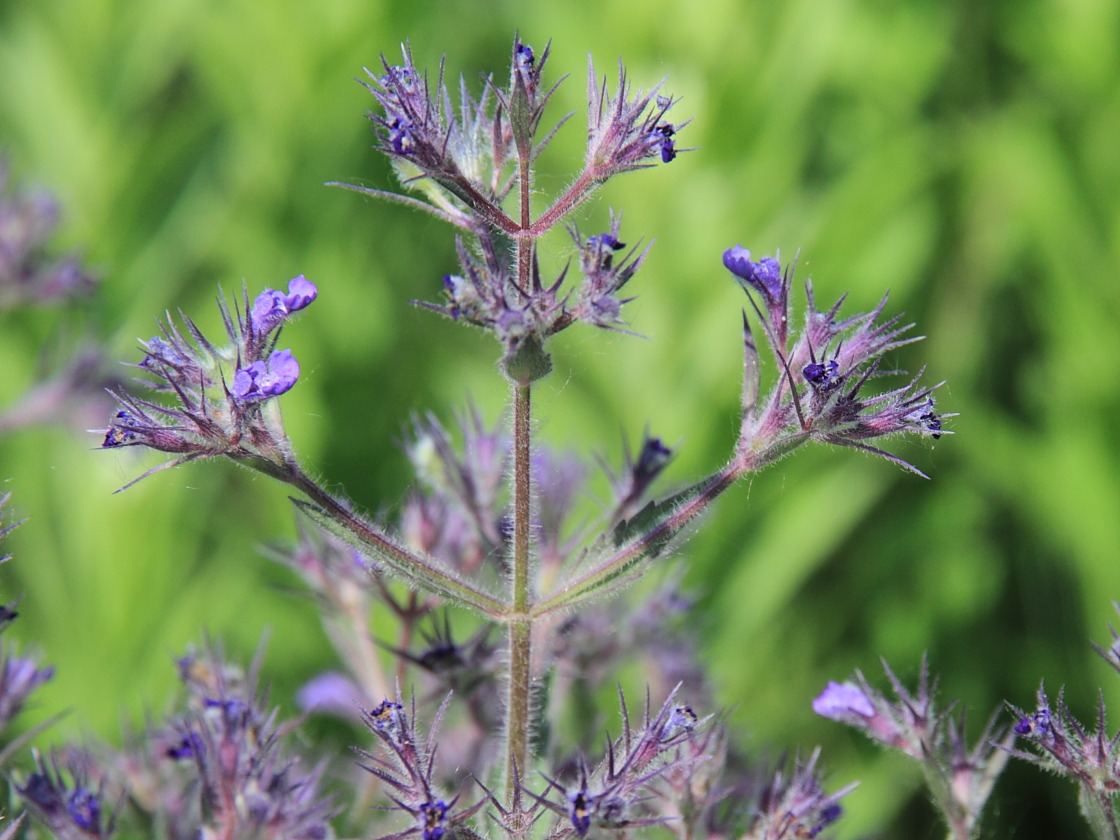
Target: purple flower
{"x":272,"y":307}
{"x":432,"y":819}
{"x":663,"y":137}
{"x":626,"y":128}
{"x":764,"y":276}
{"x":19,"y":676}
{"x":1036,"y":725}
{"x":333,"y":693}
{"x":581,"y":804}
{"x":840,"y":701}
{"x":388,"y":720}
{"x":85,"y":809}
{"x":822,"y":375}
{"x":259,"y":382}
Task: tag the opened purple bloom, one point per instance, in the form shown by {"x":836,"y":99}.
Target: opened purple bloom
{"x":840,"y":701}
{"x":259,"y":381}
{"x":272,"y":307}
{"x":765,"y":276}
{"x":85,"y":809}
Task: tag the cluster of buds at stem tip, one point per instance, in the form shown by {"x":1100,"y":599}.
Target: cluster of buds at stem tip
{"x":20,"y":674}
{"x":616,"y":793}
{"x":64,"y":795}
{"x":1065,"y":746}
{"x":824,"y":371}
{"x":406,"y":764}
{"x":222,"y":397}
{"x":29,"y":273}
{"x":960,"y":780}
{"x":466,"y":162}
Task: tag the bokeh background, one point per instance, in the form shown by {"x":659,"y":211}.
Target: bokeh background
{"x":962,"y":155}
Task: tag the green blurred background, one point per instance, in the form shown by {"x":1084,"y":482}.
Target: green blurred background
{"x":962,"y":155}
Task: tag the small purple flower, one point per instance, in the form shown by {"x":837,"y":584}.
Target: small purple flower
{"x":85,"y":809}
{"x":764,"y":276}
{"x":821,"y":375}
{"x":272,"y":307}
{"x":581,"y":804}
{"x":388,"y":719}
{"x":119,"y":433}
{"x":330,"y":692}
{"x":663,"y":137}
{"x":840,"y":701}
{"x":432,"y":819}
{"x":259,"y":381}
{"x":19,"y":676}
{"x":400,"y":135}
{"x":1036,"y":725}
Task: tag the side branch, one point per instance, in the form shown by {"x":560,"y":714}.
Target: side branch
{"x":418,"y":570}
{"x":647,"y":545}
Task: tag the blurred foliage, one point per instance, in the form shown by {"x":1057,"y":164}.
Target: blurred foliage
{"x":960,"y":154}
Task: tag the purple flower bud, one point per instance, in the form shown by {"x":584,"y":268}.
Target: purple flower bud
{"x":19,"y":676}
{"x":764,"y":276}
{"x":272,"y":307}
{"x":400,"y":135}
{"x":524,"y":56}
{"x":932,"y":422}
{"x":189,"y":746}
{"x":259,"y":382}
{"x":161,"y":353}
{"x":840,"y":701}
{"x":598,"y":252}
{"x":681,"y":720}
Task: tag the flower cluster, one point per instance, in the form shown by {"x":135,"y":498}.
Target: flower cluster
{"x":960,"y":780}
{"x":496,"y":525}
{"x":63,"y":795}
{"x":32,"y":275}
{"x":20,"y":674}
{"x":824,"y":371}
{"x":220,"y":391}
{"x":1089,"y":756}
{"x":468,"y":160}
{"x":616,"y":793}
{"x":29,"y":274}
{"x":407,"y":768}
{"x":221,"y":767}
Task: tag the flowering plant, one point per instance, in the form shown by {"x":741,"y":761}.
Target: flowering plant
{"x":466,"y":730}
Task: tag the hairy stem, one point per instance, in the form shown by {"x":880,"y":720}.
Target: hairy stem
{"x":520,"y":628}
{"x":645,"y":545}
{"x":518,"y":700}
{"x":418,"y":570}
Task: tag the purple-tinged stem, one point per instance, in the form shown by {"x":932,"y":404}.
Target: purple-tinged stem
{"x":574,"y":196}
